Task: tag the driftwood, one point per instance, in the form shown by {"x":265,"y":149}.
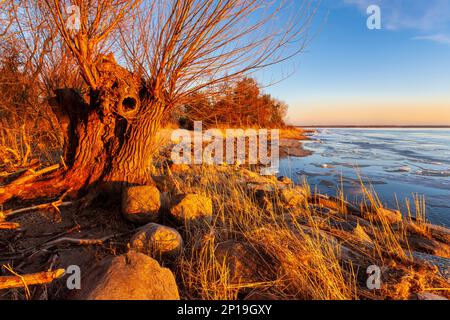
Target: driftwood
{"x":50,"y":205}
{"x":33,"y":174}
{"x":10,"y":175}
{"x":9,"y":282}
{"x":9,"y":226}
{"x":80,"y":242}
{"x":335,"y":204}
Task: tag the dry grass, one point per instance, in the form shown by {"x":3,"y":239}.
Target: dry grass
{"x":387,"y":240}
{"x":418,"y":221}
{"x":303,"y":255}
{"x":33,"y":139}
{"x":302,"y":251}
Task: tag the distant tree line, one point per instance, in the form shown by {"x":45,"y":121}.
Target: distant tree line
{"x":238,"y":104}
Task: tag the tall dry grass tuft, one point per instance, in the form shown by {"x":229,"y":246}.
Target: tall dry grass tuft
{"x":309,"y":266}
{"x":32,"y":140}
{"x":291,"y":252}
{"x":202,"y":276}
{"x":418,"y":221}
{"x":387,"y":240}
{"x":299,"y":261}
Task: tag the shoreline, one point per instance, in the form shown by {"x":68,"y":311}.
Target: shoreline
{"x":226,"y":232}
{"x":291,"y":142}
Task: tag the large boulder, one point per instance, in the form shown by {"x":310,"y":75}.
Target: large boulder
{"x":134,"y":276}
{"x":192,"y":208}
{"x":141,"y":204}
{"x":157,"y":241}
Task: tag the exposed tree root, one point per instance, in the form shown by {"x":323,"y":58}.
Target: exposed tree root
{"x":50,"y":187}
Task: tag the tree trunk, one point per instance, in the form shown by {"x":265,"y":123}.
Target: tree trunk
{"x":109,"y":141}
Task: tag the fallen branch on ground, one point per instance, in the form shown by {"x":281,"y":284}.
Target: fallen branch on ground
{"x":33,"y":174}
{"x":9,"y":282}
{"x":80,"y":242}
{"x":7,"y":175}
{"x":65,"y":240}
{"x":9,"y":226}
{"x":45,"y":206}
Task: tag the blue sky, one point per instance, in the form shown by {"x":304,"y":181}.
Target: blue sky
{"x":352,"y":75}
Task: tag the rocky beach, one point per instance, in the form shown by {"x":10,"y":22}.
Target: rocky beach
{"x":224,"y":232}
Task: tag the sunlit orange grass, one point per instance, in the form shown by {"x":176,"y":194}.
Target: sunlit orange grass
{"x":386,"y":239}
{"x":22,"y":143}
{"x":307,"y":267}
{"x":418,"y":221}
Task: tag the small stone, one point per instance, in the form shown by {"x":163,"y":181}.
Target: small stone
{"x":383,"y":215}
{"x":261,"y":190}
{"x":291,"y":197}
{"x":134,"y":276}
{"x":141,"y":204}
{"x":285,"y":180}
{"x":325,"y":201}
{"x":157,"y":241}
{"x":192,"y":208}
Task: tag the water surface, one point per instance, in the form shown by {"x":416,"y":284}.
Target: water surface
{"x":397,"y":163}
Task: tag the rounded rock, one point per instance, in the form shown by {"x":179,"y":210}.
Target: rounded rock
{"x":141,"y":204}
{"x":192,"y":208}
{"x":157,"y":241}
{"x":134,"y":276}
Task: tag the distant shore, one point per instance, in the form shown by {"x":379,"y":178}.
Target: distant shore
{"x":290,"y":142}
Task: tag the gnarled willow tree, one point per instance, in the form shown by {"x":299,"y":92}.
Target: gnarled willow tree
{"x":138,"y":60}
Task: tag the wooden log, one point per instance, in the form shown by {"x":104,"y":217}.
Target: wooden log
{"x":35,"y":174}
{"x":335,"y":204}
{"x":9,"y":282}
{"x":9,"y":226}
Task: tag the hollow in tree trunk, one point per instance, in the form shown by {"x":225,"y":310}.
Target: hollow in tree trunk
{"x":109,"y":141}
